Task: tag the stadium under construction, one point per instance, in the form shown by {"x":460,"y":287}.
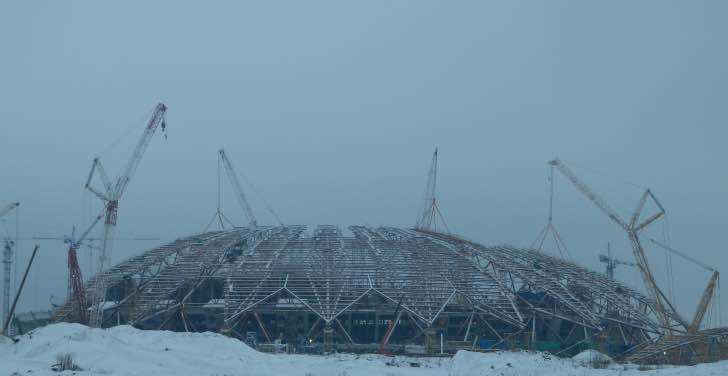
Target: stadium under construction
{"x":419,"y":290}
{"x":391,"y":289}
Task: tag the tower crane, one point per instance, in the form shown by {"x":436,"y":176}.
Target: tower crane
{"x":431,"y":211}
{"x":707,"y":294}
{"x":612,"y":262}
{"x":664,"y":310}
{"x":7,"y":262}
{"x":238,"y":188}
{"x":110,"y":194}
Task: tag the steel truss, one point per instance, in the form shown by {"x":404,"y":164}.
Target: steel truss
{"x":327,"y":273}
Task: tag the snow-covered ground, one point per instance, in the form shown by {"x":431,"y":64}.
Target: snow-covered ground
{"x":127,"y":351}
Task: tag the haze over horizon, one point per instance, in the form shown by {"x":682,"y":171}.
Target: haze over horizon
{"x":333,"y":111}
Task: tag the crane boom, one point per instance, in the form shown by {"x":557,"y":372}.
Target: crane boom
{"x":155,"y":121}
{"x":583,"y":188}
{"x":707,"y":294}
{"x":683,"y":255}
{"x":111,"y":194}
{"x":238,"y":188}
{"x":704,"y":303}
{"x":8,"y":208}
{"x":662,"y":304}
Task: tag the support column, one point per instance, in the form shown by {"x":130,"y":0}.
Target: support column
{"x":432,"y":345}
{"x":328,"y":338}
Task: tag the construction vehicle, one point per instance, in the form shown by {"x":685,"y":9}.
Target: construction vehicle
{"x":664,"y":310}
{"x":110,"y":194}
{"x":707,"y":294}
{"x":7,"y":262}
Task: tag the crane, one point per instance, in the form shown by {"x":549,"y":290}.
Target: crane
{"x":707,"y":294}
{"x":8,"y":208}
{"x":238,"y":188}
{"x":664,"y":310}
{"x":550,"y":228}
{"x":612,"y":262}
{"x":431,"y":211}
{"x":7,"y":262}
{"x":76,"y":291}
{"x":110,"y":195}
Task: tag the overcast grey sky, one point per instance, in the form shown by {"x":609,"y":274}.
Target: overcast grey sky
{"x":333,"y":109}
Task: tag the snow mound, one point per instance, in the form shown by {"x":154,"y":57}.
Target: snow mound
{"x":508,"y":364}
{"x":124,"y":350}
{"x":589,"y":357}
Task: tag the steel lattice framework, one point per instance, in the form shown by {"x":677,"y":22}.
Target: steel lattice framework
{"x":328,"y":272}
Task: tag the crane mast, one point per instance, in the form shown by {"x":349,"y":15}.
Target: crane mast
{"x":707,"y":294}
{"x":662,"y":304}
{"x":7,"y":262}
{"x":76,"y":291}
{"x":111,"y":194}
{"x":238,"y":188}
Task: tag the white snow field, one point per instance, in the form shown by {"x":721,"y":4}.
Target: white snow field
{"x":124,"y":350}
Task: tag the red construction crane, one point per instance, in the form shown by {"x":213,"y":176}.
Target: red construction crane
{"x":76,"y":291}
{"x":111,"y":194}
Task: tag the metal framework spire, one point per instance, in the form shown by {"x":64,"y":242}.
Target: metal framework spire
{"x":550,"y":229}
{"x":431,"y":213}
{"x":219,"y":216}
